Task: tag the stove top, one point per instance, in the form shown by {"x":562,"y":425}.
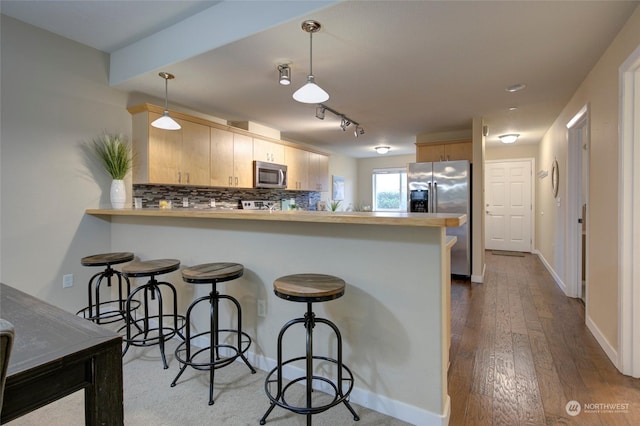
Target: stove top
{"x":257,"y":204}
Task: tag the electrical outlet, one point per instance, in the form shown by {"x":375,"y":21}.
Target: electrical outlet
{"x":67,"y":280}
{"x":262,"y":308}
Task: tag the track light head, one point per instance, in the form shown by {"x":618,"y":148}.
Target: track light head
{"x":320,"y":112}
{"x":285,"y":74}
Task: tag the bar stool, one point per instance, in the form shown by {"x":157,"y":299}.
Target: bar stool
{"x":213,"y":273}
{"x":309,"y":288}
{"x":148,"y":334}
{"x":94,"y":311}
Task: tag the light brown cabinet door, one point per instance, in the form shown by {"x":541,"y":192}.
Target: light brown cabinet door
{"x":164,"y":152}
{"x":268,"y":151}
{"x":242,"y":161}
{"x":195,"y":159}
{"x":458,"y":151}
{"x":221,"y":158}
{"x":297,"y":162}
{"x":430,"y":153}
{"x":318,"y":172}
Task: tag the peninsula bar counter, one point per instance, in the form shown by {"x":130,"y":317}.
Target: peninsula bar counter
{"x":393,"y":316}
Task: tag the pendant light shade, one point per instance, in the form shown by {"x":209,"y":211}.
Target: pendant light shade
{"x":166,"y":122}
{"x":311,"y":93}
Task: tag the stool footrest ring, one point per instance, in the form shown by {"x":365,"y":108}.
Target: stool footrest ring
{"x":219,"y":363}
{"x":338,"y":397}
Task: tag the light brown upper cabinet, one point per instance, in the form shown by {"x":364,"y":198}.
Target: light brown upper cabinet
{"x":231,"y":159}
{"x":318,"y":172}
{"x":209,"y":153}
{"x":268,"y":151}
{"x":444,"y":151}
{"x":297,"y":162}
{"x":170,"y":156}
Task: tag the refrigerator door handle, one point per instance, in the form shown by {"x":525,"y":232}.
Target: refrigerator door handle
{"x":429,"y":198}
{"x":435,"y":197}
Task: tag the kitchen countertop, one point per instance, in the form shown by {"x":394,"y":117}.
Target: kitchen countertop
{"x":363,"y":218}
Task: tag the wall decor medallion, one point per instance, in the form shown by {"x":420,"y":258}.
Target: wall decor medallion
{"x":555,"y":178}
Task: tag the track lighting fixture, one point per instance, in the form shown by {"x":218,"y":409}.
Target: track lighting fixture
{"x":344,"y":120}
{"x":311,"y":93}
{"x":285,"y":74}
{"x":165,"y":122}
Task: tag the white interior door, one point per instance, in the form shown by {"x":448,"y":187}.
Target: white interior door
{"x":508,"y":205}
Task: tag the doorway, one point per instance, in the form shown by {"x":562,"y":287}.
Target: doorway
{"x":509,"y":205}
{"x":577,"y":204}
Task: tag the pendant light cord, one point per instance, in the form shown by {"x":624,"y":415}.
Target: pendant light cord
{"x":166,"y":93}
{"x":311,"y":53}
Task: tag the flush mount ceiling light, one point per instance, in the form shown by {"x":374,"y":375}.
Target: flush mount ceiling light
{"x":510,"y":138}
{"x":165,"y":122}
{"x":382,"y":149}
{"x":515,"y":87}
{"x":311,"y":93}
{"x":285,"y":74}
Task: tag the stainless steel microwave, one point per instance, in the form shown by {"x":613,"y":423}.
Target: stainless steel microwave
{"x":269,"y":175}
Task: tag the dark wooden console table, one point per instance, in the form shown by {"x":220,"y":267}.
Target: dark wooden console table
{"x":56,"y":353}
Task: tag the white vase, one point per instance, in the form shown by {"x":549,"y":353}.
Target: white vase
{"x":118,"y":194}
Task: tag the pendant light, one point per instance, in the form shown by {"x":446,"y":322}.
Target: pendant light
{"x":311,"y":93}
{"x":166,"y":122}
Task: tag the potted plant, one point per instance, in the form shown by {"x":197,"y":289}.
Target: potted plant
{"x":334,"y":205}
{"x":114,"y":153}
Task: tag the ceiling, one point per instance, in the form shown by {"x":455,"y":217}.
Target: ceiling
{"x":399,"y":68}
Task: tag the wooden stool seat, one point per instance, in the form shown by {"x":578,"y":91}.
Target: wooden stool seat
{"x":106,"y":259}
{"x":309,"y":287}
{"x":212,"y":272}
{"x":145,"y":268}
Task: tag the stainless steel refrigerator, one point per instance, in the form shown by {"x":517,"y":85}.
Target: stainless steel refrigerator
{"x":444,"y":187}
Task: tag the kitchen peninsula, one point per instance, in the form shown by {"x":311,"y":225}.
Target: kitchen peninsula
{"x":393,"y":316}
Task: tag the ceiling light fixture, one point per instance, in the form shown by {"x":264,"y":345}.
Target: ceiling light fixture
{"x":311,"y":93}
{"x":382,"y":149}
{"x":285,"y":74}
{"x":510,"y":138}
{"x":344,"y":120}
{"x":165,"y":122}
{"x":515,"y":87}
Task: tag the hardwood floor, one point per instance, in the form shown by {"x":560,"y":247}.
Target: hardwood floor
{"x":521,"y":351}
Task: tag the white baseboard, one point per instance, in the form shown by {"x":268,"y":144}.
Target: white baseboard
{"x":553,"y":273}
{"x":479,"y":278}
{"x":611,"y":352}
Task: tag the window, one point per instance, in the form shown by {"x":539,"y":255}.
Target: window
{"x":390,"y":190}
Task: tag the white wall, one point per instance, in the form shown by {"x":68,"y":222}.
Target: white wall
{"x":340,"y":165}
{"x":600,"y":92}
{"x":54,"y":98}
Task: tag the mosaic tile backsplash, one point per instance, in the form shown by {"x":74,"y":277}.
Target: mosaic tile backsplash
{"x":196,"y":196}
